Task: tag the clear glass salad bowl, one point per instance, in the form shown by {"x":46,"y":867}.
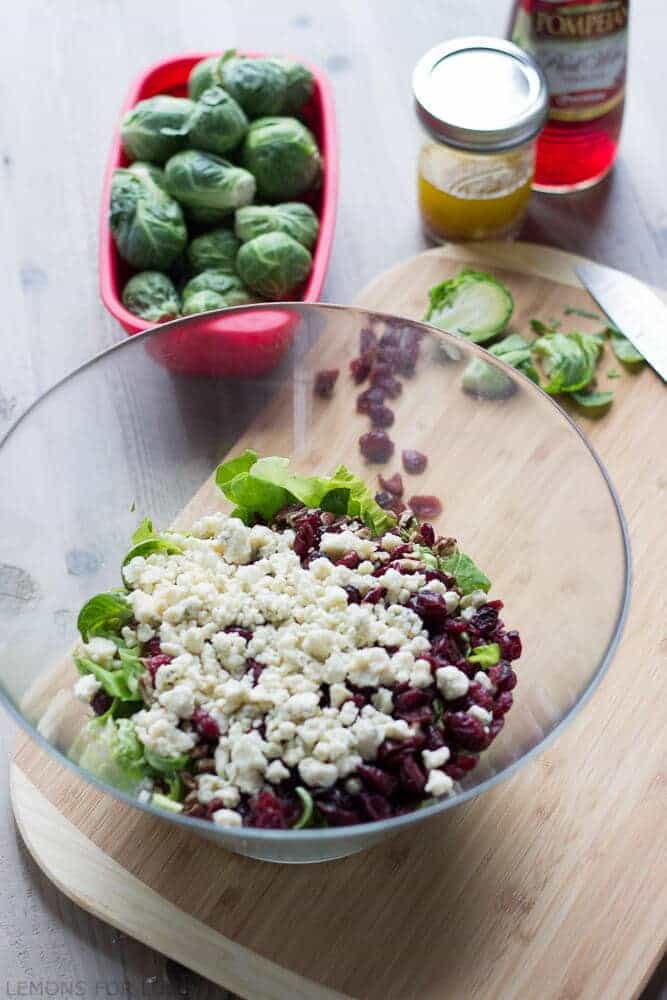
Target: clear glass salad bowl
{"x":139,"y":429}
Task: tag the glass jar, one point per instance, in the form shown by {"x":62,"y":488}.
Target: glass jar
{"x":482,"y":103}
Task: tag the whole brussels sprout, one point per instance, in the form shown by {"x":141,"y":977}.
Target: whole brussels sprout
{"x":203,"y":75}
{"x":228,"y":286}
{"x":217,"y":123}
{"x":283,"y":156}
{"x":300,"y":86}
{"x":259,"y":85}
{"x":146,"y":223}
{"x":273,"y":264}
{"x":217,"y":249}
{"x":152,"y":296}
{"x":292,"y":217}
{"x":205,"y":181}
{"x":205,"y":301}
{"x":151,"y":129}
{"x":148,"y":171}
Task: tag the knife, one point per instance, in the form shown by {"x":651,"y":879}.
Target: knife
{"x":633,"y":308}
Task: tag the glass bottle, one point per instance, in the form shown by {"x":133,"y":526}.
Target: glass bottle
{"x":582,"y":47}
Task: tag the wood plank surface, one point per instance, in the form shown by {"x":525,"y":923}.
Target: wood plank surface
{"x":64,"y":69}
{"x":540,"y":887}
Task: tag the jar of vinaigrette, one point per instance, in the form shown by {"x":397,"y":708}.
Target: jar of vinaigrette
{"x":482,"y":103}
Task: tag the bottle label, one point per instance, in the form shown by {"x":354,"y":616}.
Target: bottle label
{"x":582,"y":48}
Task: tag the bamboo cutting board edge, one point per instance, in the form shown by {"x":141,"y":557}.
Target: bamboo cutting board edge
{"x":44,"y":831}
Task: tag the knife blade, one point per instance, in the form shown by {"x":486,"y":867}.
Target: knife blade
{"x":633,"y":308}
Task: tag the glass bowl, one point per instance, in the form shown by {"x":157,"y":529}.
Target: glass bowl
{"x":126,"y":436}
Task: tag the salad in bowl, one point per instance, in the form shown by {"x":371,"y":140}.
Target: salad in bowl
{"x":311,"y":659}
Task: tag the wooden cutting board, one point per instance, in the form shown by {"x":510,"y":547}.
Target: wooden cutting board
{"x":552,"y":885}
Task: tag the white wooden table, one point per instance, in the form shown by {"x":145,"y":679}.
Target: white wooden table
{"x":64,"y":67}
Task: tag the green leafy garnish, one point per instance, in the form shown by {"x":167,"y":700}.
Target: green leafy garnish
{"x":305,"y":819}
{"x":114,"y":682}
{"x":584,"y":313}
{"x":150,"y":545}
{"x":438,"y":710}
{"x":514,"y":351}
{"x":593,"y":400}
{"x":473,"y":304}
{"x":262,"y":486}
{"x":468,"y":576}
{"x":166,"y":765}
{"x":144,"y":531}
{"x":112,"y":752}
{"x":542,"y":328}
{"x":103,"y":612}
{"x":485,"y":656}
{"x":568,"y":360}
{"x":613,"y":373}
{"x":166,"y":802}
{"x":622,"y":348}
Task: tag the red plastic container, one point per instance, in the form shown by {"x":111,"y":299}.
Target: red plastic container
{"x":254,"y":342}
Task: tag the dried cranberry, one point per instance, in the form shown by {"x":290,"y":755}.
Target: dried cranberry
{"x":427,"y":533}
{"x":502,"y":675}
{"x":304,"y":539}
{"x":377,"y":780}
{"x":359,"y":699}
{"x":480,"y":696}
{"x":153,"y":663}
{"x":434,"y":738}
{"x":373,"y":596}
{"x":101,"y":702}
{"x":369,"y":398}
{"x":385,"y":500}
{"x":502,"y":704}
{"x":510,"y":645}
{"x":413,"y":705}
{"x":376,"y":807}
{"x":152,"y":647}
{"x":414,"y":461}
{"x":376,"y":446}
{"x":350,"y":559}
{"x":325,"y":381}
{"x":411,"y":776}
{"x":360,"y":368}
{"x":430,"y":607}
{"x":381,"y":416}
{"x":205,"y":725}
{"x":495,"y":727}
{"x":408,"y":351}
{"x":255,"y":668}
{"x":353,"y":595}
{"x":425,"y":506}
{"x":485,"y":620}
{"x":466,"y":762}
{"x":390,"y":385}
{"x":466,"y":730}
{"x":266,"y":812}
{"x":245,"y":633}
{"x":368,"y":342}
{"x":394,"y":484}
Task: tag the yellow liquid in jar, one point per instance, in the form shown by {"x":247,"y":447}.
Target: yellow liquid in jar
{"x":467,"y":196}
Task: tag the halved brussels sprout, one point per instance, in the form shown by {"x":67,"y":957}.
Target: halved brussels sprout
{"x":217,"y":123}
{"x":273,"y":264}
{"x":283,"y":156}
{"x":300,"y":85}
{"x":151,"y":129}
{"x":203,"y":75}
{"x":259,"y":85}
{"x":146,"y":223}
{"x":204,"y":301}
{"x":227,"y":286}
{"x":292,"y":217}
{"x":206,"y":181}
{"x":152,"y":296}
{"x":217,"y":249}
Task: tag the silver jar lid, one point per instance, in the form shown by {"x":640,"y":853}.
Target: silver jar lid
{"x":480,"y":94}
